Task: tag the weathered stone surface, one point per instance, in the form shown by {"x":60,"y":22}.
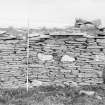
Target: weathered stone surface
{"x":85,"y":75}
{"x":81,"y":39}
{"x":101,"y":40}
{"x":44,"y":57}
{"x":36,"y":83}
{"x":100,"y":57}
{"x":67,"y":58}
{"x":75,"y":72}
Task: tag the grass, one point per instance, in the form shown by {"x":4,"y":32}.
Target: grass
{"x":52,"y":95}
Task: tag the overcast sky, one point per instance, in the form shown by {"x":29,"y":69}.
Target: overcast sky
{"x":50,"y":13}
{"x":13,"y":12}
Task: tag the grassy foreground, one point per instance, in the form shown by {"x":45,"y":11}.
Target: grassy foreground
{"x":53,"y":95}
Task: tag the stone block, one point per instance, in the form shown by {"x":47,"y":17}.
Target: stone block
{"x":89,"y":40}
{"x":83,"y":83}
{"x":95,"y":47}
{"x":81,"y":39}
{"x":100,"y":40}
{"x":65,"y":70}
{"x":44,"y":57}
{"x":86,"y":75}
{"x":67,"y":58}
{"x":100,"y":57}
{"x":69,"y":76}
{"x":75,"y":72}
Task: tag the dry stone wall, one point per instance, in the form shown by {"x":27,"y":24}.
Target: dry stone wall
{"x":13,"y":66}
{"x":52,"y":58}
{"x":67,"y":58}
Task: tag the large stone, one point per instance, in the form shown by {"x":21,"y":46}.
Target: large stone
{"x":44,"y":57}
{"x":98,"y":72}
{"x":100,"y":57}
{"x":81,"y":39}
{"x":67,"y":58}
{"x":100,"y":40}
{"x":75,"y":72}
{"x":36,"y":83}
{"x":34,"y":35}
{"x":89,"y":93}
{"x":87,"y":75}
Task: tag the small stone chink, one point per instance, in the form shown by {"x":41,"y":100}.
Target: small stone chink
{"x":14,"y":52}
